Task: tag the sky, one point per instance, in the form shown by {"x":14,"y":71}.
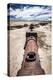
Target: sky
{"x":29,"y":12}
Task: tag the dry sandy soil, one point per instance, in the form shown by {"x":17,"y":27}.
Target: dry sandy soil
{"x":17,"y":41}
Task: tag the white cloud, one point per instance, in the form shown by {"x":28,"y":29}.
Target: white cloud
{"x":26,"y":13}
{"x":10,"y":9}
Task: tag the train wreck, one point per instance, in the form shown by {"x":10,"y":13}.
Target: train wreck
{"x":31,"y":62}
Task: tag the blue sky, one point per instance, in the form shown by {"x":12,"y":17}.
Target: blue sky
{"x":29,"y":12}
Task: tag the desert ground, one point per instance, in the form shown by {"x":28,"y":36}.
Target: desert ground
{"x":17,"y":37}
